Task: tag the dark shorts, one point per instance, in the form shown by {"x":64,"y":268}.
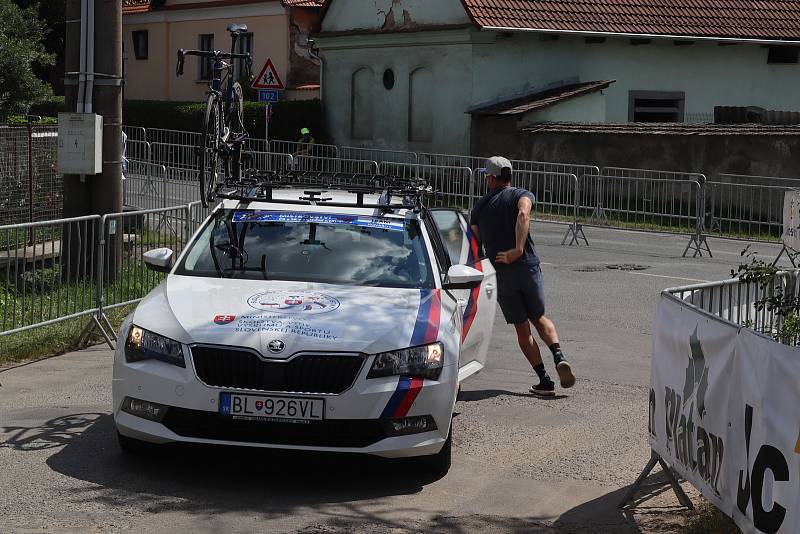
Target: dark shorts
{"x":520,"y":292}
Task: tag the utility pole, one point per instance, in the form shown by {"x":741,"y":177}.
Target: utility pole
{"x":101,"y":193}
{"x":95,"y":64}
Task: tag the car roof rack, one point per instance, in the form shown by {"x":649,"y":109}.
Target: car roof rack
{"x":395,"y":192}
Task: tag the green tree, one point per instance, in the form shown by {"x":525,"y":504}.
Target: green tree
{"x":22,"y":37}
{"x":52,"y":13}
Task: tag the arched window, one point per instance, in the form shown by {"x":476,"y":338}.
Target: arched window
{"x":361,"y":104}
{"x":420,"y":108}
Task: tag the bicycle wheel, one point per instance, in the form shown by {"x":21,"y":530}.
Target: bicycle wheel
{"x":208,"y":150}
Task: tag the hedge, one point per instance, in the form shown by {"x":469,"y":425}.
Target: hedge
{"x":287,"y":117}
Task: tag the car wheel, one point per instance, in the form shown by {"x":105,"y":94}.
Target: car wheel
{"x":439,"y":463}
{"x":131,"y":445}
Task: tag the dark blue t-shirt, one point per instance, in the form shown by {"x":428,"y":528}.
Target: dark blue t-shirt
{"x":496,"y":217}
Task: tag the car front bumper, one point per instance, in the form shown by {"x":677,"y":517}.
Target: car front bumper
{"x":354,"y":420}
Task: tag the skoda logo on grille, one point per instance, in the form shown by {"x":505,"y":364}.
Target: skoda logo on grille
{"x":276,"y":345}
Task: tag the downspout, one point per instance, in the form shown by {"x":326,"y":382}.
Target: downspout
{"x":89,"y":58}
{"x":82,"y":67}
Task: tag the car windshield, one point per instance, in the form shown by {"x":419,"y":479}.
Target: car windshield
{"x":310,"y":247}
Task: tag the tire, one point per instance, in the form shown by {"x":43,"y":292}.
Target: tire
{"x":208,"y":150}
{"x":132,"y":446}
{"x":439,"y":464}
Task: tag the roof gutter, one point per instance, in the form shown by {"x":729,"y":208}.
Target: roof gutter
{"x":644,"y":36}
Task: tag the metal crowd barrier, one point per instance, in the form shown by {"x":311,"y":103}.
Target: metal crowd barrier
{"x":745,"y":211}
{"x":137,"y":150}
{"x":734,"y":300}
{"x":172,"y":137}
{"x":303,"y":149}
{"x":653,"y":174}
{"x":174,"y":155}
{"x":453,"y":185}
{"x":665,"y":205}
{"x":378,"y":154}
{"x":557,"y":198}
{"x":272,"y":161}
{"x":144,"y":184}
{"x":135,"y":133}
{"x":335,"y":165}
{"x":47,"y":272}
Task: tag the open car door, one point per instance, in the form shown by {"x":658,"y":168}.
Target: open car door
{"x":478,"y":305}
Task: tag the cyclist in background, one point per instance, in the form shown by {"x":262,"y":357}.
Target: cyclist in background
{"x":306,"y":143}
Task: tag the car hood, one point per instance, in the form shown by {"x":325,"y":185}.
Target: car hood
{"x":279,"y":318}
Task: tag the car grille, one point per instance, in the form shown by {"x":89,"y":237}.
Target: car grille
{"x":307,"y":373}
{"x":328,"y":433}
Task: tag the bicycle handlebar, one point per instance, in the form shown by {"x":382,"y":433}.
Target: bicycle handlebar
{"x":216,"y":55}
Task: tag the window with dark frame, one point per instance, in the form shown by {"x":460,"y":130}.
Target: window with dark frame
{"x":139,"y":44}
{"x":656,"y":106}
{"x":206,"y":65}
{"x":782,"y":55}
{"x":245,"y":46}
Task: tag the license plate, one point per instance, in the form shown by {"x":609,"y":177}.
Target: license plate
{"x":271,"y":408}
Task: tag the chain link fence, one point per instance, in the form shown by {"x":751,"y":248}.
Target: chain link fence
{"x":30,"y":188}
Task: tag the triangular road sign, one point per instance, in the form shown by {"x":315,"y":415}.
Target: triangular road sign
{"x":268,"y":77}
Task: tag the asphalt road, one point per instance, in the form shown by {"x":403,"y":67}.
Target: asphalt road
{"x":521,"y":464}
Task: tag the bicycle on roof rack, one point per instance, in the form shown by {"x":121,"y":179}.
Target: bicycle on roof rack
{"x":220,"y":149}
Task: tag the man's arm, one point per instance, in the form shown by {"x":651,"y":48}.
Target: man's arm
{"x":476,"y":232}
{"x":521,"y":230}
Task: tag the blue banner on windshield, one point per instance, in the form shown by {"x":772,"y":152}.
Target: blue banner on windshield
{"x":393,"y":225}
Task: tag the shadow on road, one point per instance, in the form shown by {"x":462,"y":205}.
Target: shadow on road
{"x":483,"y":394}
{"x":346,"y":492}
{"x":209,"y":478}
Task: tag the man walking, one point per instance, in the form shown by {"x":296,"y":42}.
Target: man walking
{"x":501,"y":220}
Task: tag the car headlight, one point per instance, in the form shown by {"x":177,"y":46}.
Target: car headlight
{"x":146,"y":345}
{"x":417,"y":362}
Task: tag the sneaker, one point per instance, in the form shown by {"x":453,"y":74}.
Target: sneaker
{"x":545,"y":388}
{"x":564,"y":370}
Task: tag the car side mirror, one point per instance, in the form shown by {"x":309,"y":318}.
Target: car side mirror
{"x":159,"y":259}
{"x":462,"y":277}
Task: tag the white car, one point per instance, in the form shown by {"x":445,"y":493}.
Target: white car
{"x":335,"y":323}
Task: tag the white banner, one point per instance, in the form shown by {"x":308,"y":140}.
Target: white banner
{"x":725,"y":414}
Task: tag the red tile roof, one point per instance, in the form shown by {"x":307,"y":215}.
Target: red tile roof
{"x":135,"y":6}
{"x":541,"y":99}
{"x":739,"y":19}
{"x":142,"y":6}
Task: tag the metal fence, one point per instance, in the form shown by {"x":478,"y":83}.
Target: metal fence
{"x":744,"y":211}
{"x":335,"y":165}
{"x":735,"y":300}
{"x":378,"y":154}
{"x":453,"y":185}
{"x":30,"y":188}
{"x":85,"y":265}
{"x":303,"y":149}
{"x":49,"y":278}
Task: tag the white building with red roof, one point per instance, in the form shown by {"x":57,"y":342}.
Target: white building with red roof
{"x":422,"y":75}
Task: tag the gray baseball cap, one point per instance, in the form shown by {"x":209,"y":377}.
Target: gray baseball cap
{"x":495,"y":164}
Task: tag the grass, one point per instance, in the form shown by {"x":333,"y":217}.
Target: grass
{"x":42,"y":294}
{"x":707,"y":519}
{"x":54,"y":339}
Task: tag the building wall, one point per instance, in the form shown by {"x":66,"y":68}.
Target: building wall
{"x":757,"y":155}
{"x":348,"y":15}
{"x":447,"y":56}
{"x":709,"y":74}
{"x":168,"y":30}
